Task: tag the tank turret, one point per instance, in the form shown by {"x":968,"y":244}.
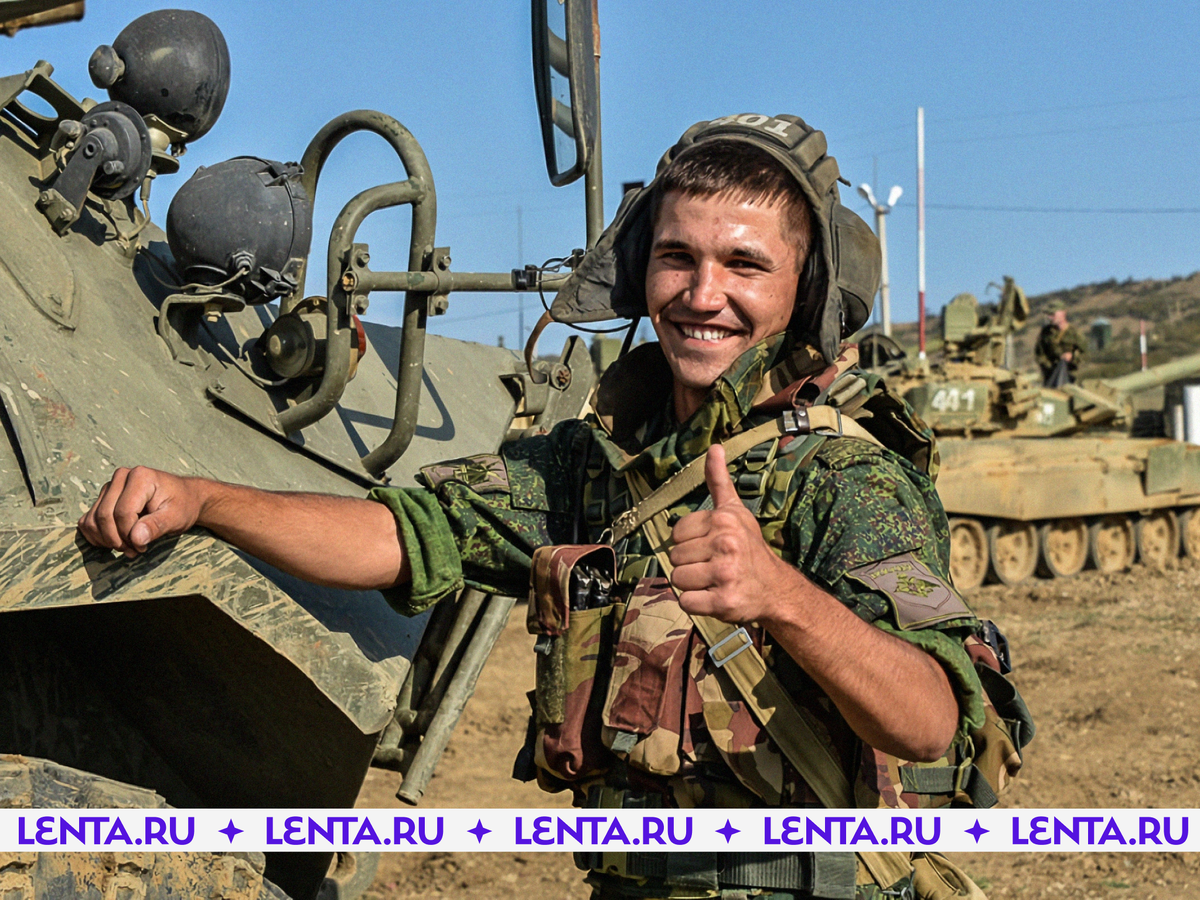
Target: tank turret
{"x":1039,"y":479}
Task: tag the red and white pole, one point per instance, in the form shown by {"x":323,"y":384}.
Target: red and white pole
{"x":921,"y":231}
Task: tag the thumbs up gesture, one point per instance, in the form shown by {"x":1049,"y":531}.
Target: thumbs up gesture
{"x":723,"y":567}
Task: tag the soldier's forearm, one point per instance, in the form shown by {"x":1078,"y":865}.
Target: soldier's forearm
{"x":893,"y":695}
{"x":339,"y":542}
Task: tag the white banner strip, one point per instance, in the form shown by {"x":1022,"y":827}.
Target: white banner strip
{"x":531,"y":830}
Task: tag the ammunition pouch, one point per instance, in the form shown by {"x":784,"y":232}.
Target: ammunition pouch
{"x":574,"y":658}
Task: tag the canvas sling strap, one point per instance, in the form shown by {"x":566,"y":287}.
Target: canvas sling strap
{"x":730,"y":647}
{"x":820,"y":420}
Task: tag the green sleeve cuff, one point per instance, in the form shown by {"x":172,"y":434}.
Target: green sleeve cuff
{"x":948,"y":650}
{"x":429,"y":545}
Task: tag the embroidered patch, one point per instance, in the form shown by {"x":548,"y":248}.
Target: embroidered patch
{"x":919,"y":596}
{"x":484,"y":474}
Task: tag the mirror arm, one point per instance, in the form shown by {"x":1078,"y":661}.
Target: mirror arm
{"x":593,"y":176}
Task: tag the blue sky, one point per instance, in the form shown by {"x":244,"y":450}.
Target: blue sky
{"x":1030,"y":107}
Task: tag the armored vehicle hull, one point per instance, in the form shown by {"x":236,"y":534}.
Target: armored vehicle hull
{"x":195,"y":675}
{"x":1041,"y":479}
{"x":1018,"y":506}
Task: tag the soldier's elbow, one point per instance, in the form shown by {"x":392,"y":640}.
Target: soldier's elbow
{"x":934,"y":743}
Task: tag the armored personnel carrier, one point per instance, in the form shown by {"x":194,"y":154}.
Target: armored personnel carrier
{"x":1045,"y":479}
{"x":195,"y":676}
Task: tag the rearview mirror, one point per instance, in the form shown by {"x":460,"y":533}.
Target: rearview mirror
{"x":564,"y":78}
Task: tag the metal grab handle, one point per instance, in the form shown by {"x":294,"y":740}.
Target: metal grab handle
{"x":418,"y":191}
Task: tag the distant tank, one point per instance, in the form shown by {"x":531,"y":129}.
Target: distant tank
{"x":1039,"y":479}
{"x":195,"y":676}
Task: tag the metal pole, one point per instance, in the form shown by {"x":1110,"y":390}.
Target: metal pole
{"x":593,"y":176}
{"x":462,"y":685}
{"x":520,"y":296}
{"x":884,"y":296}
{"x":921,"y":231}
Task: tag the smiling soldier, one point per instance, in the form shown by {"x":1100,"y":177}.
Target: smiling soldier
{"x":739,"y":562}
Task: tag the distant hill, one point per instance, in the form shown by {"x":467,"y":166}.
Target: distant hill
{"x":1170,"y":307}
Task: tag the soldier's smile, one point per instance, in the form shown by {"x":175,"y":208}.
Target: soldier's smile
{"x":721,"y":278}
{"x":708,"y":334}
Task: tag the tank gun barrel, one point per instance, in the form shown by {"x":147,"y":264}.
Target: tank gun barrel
{"x":1156,"y":375}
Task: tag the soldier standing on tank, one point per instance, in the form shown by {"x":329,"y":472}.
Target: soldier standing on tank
{"x":1059,"y":349}
{"x":822,"y":552}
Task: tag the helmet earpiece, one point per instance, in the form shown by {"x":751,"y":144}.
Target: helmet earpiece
{"x":840,"y":276}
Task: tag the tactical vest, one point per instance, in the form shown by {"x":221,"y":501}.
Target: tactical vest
{"x":629,"y":693}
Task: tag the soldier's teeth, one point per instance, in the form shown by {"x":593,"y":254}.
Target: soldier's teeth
{"x":704,"y":334}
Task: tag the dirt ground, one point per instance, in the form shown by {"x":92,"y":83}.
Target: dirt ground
{"x":1107,"y":663}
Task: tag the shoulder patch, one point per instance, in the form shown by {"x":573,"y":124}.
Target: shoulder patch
{"x":484,"y":474}
{"x":919,"y":596}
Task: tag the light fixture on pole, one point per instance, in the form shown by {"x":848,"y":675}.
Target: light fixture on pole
{"x":881,"y":211}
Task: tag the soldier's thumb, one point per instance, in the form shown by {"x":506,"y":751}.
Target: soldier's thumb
{"x":149,"y":527}
{"x":720,"y":485}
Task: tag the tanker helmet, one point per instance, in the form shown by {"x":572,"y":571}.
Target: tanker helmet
{"x":840,"y":277}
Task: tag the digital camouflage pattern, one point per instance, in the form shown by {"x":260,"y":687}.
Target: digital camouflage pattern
{"x":828,"y":506}
{"x":627,"y":702}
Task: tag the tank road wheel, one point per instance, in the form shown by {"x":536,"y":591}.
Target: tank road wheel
{"x":1013,"y":547}
{"x":1064,"y":545}
{"x":968,"y":554}
{"x":1158,"y":538}
{"x":1111,"y":543}
{"x":1189,"y":532}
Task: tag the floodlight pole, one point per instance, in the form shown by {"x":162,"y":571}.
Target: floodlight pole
{"x":884,"y":298}
{"x":881,"y":211}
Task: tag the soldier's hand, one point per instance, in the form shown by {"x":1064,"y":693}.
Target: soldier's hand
{"x":1067,"y":356}
{"x":138,"y":506}
{"x":723,"y":567}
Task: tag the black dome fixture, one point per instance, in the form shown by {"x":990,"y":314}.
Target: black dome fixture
{"x":172,"y":66}
{"x":244,"y":224}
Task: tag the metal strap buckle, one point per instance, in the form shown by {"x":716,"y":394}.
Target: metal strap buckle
{"x":746,"y":644}
{"x":795,"y":421}
{"x":840,"y":431}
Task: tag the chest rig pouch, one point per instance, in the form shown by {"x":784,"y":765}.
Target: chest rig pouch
{"x":572,"y":610}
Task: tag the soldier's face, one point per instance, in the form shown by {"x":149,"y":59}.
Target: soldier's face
{"x":722,"y":277}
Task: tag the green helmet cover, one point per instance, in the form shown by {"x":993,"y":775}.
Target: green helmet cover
{"x":840,"y":278}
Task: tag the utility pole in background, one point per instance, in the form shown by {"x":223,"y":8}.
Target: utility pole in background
{"x":921,"y":231}
{"x":881,"y":211}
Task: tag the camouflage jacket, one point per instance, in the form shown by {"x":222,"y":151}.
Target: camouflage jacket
{"x":1052,"y":344}
{"x":835,"y":509}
